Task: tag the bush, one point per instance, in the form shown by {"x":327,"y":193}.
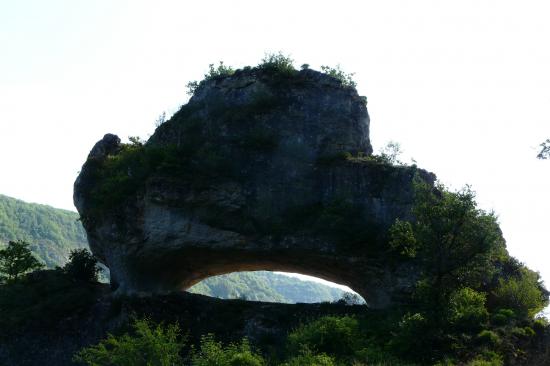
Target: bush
{"x":521,"y":293}
{"x":335,"y":336}
{"x":488,"y":359}
{"x":149,"y":346}
{"x":307,"y":358}
{"x":402,"y":240}
{"x":488,"y":337}
{"x":337,"y":73}
{"x":467,"y":308}
{"x":213,"y":353}
{"x":213,"y":72}
{"x":82,"y":266}
{"x":503,"y":317}
{"x":278,"y":63}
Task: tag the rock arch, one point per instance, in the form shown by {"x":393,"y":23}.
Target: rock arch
{"x":259,"y":171}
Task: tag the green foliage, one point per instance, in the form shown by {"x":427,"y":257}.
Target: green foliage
{"x":278,"y":63}
{"x":221,"y":70}
{"x":82,"y":266}
{"x":307,"y":358}
{"x":412,"y":336}
{"x":503,"y":317}
{"x":266,"y":286}
{"x":149,"y":345}
{"x":213,"y":353}
{"x":339,"y":337}
{"x":43,"y":298}
{"x":488,"y":337}
{"x":458,"y":244}
{"x":521,"y":293}
{"x":16,"y":260}
{"x":337,"y":73}
{"x":402,"y":240}
{"x":487,"y":360}
{"x":53,"y":233}
{"x":467,"y":308}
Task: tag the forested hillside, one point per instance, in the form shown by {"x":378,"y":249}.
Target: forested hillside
{"x":53,"y":233}
{"x":266,"y":286}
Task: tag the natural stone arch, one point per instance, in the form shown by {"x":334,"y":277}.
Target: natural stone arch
{"x":259,"y":171}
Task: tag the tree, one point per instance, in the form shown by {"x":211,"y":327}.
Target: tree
{"x":16,"y":260}
{"x":82,"y":266}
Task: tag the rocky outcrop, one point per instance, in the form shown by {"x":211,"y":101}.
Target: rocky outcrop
{"x":259,"y":171}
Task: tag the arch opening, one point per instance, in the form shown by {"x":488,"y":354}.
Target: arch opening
{"x":275,"y":286}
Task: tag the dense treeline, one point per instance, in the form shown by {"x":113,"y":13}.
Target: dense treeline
{"x":52,"y":233}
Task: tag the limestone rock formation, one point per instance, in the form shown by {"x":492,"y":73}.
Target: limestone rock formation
{"x":261,"y":170}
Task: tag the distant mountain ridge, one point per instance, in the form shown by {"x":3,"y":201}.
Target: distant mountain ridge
{"x":54,"y":232}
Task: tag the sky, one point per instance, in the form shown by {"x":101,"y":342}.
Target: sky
{"x":463,"y":86}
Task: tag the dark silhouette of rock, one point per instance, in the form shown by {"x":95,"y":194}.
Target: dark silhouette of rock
{"x":261,"y":170}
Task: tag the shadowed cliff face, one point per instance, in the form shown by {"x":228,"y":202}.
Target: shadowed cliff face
{"x":259,"y":171}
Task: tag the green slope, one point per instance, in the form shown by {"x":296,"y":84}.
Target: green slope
{"x":266,"y":286}
{"x":53,"y":233}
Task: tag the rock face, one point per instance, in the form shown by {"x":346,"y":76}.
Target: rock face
{"x":261,"y":170}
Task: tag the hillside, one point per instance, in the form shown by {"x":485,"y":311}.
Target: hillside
{"x":266,"y":286}
{"x":53,"y":233}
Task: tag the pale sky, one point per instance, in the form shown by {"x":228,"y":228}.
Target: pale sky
{"x":463,"y":86}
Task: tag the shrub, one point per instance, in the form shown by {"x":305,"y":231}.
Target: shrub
{"x":307,"y":358}
{"x":82,"y":266}
{"x":213,"y":353}
{"x":150,"y":345}
{"x":488,"y":359}
{"x":503,"y":317}
{"x":540,"y":325}
{"x":336,"y":336}
{"x":337,"y":73}
{"x":467,"y":308}
{"x":522,"y":293}
{"x":488,"y":337}
{"x":412,"y":336}
{"x":402,"y":240}
{"x":213,"y":72}
{"x":278,"y":63}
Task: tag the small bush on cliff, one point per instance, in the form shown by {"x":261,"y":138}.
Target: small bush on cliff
{"x":16,"y":260}
{"x":336,"y":72}
{"x":149,"y":345}
{"x":213,"y":72}
{"x":278,"y":63}
{"x":82,"y":266}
